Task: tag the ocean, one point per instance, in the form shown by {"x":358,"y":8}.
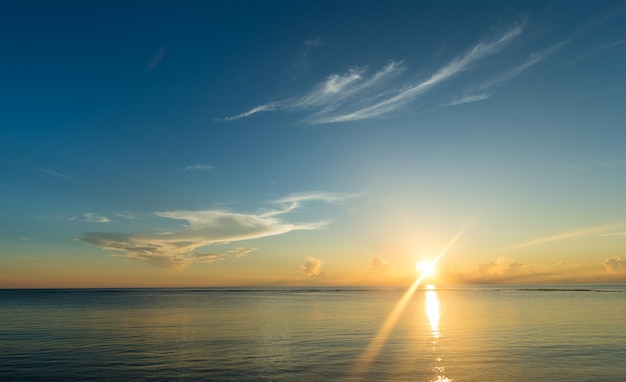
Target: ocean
{"x":469,"y":333}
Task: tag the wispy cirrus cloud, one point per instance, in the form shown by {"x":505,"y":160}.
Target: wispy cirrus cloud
{"x":241,"y":251}
{"x":267,"y":107}
{"x":614,"y":234}
{"x":199,"y":167}
{"x":156,"y":60}
{"x":59,"y":175}
{"x":178,"y":250}
{"x":485,"y":89}
{"x":359,"y":94}
{"x":594,"y":51}
{"x":467,"y":98}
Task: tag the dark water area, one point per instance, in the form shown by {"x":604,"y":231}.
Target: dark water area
{"x":475,"y":333}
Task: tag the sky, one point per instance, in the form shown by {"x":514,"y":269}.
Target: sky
{"x":280,"y":143}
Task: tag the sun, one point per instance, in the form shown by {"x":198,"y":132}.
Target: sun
{"x":427,"y":268}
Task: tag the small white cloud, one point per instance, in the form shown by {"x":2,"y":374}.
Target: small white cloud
{"x":378,"y":267}
{"x":614,"y":264}
{"x":90,"y":217}
{"x":312,"y":267}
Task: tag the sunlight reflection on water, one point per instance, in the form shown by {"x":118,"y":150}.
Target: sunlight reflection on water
{"x":433,"y":312}
{"x":470,"y":334}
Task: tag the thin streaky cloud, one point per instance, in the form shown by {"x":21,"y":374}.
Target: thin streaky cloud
{"x":613,"y":234}
{"x":456,"y":66}
{"x":355,"y":95}
{"x":560,"y":237}
{"x":570,"y":166}
{"x":468,"y":98}
{"x":337,"y":88}
{"x":241,"y":251}
{"x":336,"y":91}
{"x":156,"y":60}
{"x":302,"y":65}
{"x":272,"y":106}
{"x":594,"y":51}
{"x":596,"y":22}
{"x":332,"y":88}
{"x":58,"y":175}
{"x":126,"y":215}
{"x":516,"y":71}
{"x":199,"y":167}
{"x":294,"y":201}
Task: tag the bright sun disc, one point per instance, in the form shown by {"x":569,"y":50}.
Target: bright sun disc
{"x":427,"y":268}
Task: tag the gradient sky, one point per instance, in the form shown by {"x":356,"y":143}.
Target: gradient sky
{"x":311,"y":142}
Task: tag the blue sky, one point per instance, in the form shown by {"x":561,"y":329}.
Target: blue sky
{"x":201,"y":143}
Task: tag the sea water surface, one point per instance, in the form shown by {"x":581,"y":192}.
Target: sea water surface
{"x":476,"y":333}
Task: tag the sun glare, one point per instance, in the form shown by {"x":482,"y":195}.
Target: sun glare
{"x":426,"y":268}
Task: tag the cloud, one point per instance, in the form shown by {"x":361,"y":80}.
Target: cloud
{"x":378,"y":267}
{"x":503,"y":266}
{"x":177,"y":250}
{"x":467,"y":98}
{"x":199,"y":167}
{"x":295,"y":201}
{"x":62,"y":217}
{"x":613,"y":234}
{"x":207,"y":257}
{"x":90,"y":217}
{"x":614,"y":264}
{"x":241,"y":251}
{"x":312,"y":267}
{"x":357,"y":94}
{"x":59,"y":175}
{"x":126,"y":215}
{"x":485,"y":89}
{"x":302,"y":64}
{"x":156,"y":60}
{"x":560,"y":237}
{"x":313,"y":42}
{"x":268,"y":107}
{"x":594,"y":51}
